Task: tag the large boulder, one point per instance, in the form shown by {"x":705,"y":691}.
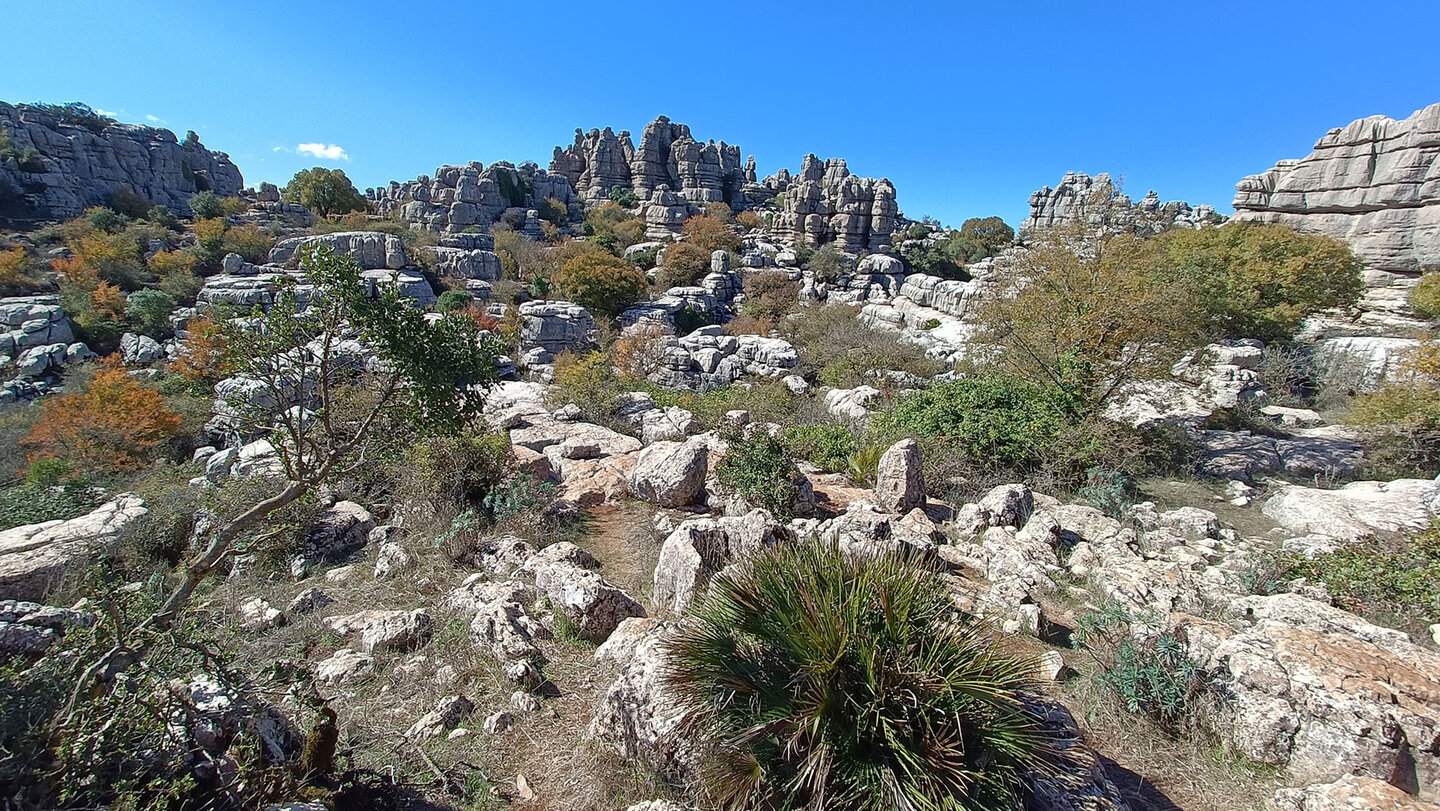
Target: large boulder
{"x":1358,"y":509}
{"x":697,"y":549}
{"x":639,"y":715}
{"x":669,"y":474}
{"x":34,"y":557}
{"x":899,"y":484}
{"x":1322,"y":692}
{"x":1353,"y":792}
{"x":593,"y":604}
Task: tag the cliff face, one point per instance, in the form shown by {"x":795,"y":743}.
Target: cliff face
{"x":1374,"y":184}
{"x":54,"y":170}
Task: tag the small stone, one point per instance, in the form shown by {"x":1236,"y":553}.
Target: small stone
{"x":1052,"y":664}
{"x":498,"y":723}
{"x":311,"y":599}
{"x":257,"y":615}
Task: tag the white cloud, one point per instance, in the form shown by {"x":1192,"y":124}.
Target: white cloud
{"x":331,"y":152}
{"x":110,"y":113}
{"x":154,"y":119}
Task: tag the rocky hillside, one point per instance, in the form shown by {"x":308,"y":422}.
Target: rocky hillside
{"x":54,"y":166}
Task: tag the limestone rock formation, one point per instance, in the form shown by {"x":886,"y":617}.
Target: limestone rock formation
{"x":1098,"y":201}
{"x":597,"y":162}
{"x":1372,"y":184}
{"x":34,"y":557}
{"x":60,"y":169}
{"x":825,"y":203}
{"x":472,"y":195}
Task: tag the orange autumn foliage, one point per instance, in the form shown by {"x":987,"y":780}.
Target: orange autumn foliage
{"x":114,"y":425}
{"x":108,"y":301}
{"x":202,"y":353}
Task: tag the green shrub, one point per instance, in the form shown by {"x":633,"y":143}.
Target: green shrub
{"x":997,"y":418}
{"x":516,"y":496}
{"x":325,"y":192}
{"x":689,"y":319}
{"x":757,"y":468}
{"x":148,"y":312}
{"x":34,"y":502}
{"x":821,"y":679}
{"x":1109,"y":491}
{"x":247,"y":240}
{"x":106,"y":219}
{"x":623,"y":196}
{"x":453,"y":300}
{"x":685,"y":265}
{"x":1148,"y":673}
{"x":830,"y":263}
{"x":1425,"y":297}
{"x":589,"y":382}
{"x":554,"y":211}
{"x":826,"y":446}
{"x":205,"y":205}
{"x":601,"y":283}
{"x":163,"y":217}
{"x":646,"y":259}
{"x":1401,"y":421}
{"x":75,"y":114}
{"x":127,"y":202}
{"x":1392,"y":583}
{"x":451,"y":473}
{"x":1261,"y":281}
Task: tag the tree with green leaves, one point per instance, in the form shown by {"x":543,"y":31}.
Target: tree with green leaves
{"x":824,"y":679}
{"x":989,"y":233}
{"x":324,"y":191}
{"x":1087,"y":310}
{"x":309,"y":391}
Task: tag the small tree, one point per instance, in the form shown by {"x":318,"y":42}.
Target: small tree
{"x":825,"y":680}
{"x":148,"y":312}
{"x":990,"y":233}
{"x":320,"y":406}
{"x":711,"y":234}
{"x":623,"y":196}
{"x":114,"y":425}
{"x":1089,"y":310}
{"x":324,"y":191}
{"x":554,"y":211}
{"x":685,"y":264}
{"x":1425,"y":296}
{"x":601,"y":283}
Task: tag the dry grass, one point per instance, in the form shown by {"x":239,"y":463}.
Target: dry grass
{"x":1154,"y":770}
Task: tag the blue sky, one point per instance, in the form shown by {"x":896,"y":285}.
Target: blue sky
{"x":966,"y":107}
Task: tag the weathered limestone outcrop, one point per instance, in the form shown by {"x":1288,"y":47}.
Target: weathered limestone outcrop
{"x":61,"y":169}
{"x":668,"y":156}
{"x":459,"y":197}
{"x":1372,"y":184}
{"x":825,"y":203}
{"x":33,"y":558}
{"x":1096,"y":200}
{"x":1322,"y":692}
{"x":597,"y":162}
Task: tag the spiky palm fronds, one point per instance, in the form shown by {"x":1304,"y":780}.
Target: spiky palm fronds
{"x":827,"y":681}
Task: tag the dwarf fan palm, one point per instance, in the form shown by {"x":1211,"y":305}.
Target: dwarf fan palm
{"x":824,"y":680}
